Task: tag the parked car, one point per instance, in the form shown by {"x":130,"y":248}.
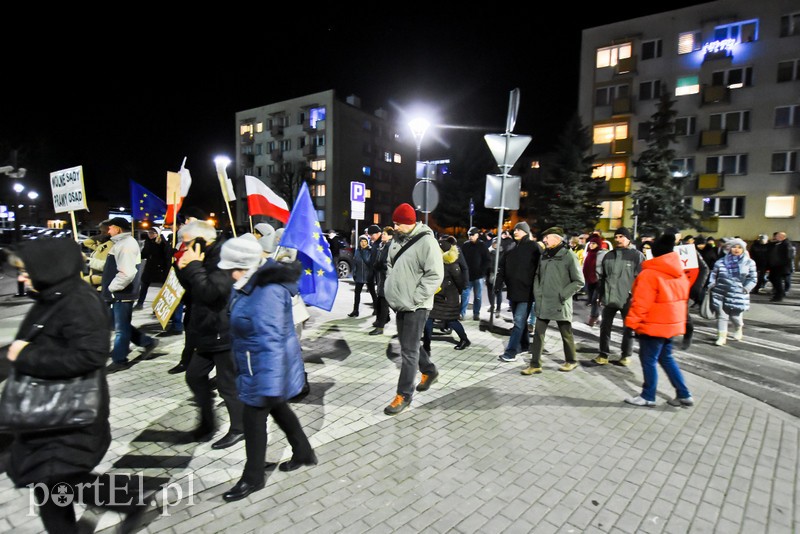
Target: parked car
{"x":344,"y":258}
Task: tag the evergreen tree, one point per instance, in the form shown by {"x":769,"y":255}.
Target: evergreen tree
{"x":660,"y":193}
{"x":287,"y":183}
{"x":565,"y":194}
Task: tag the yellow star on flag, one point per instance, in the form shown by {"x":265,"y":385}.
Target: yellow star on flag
{"x":308,"y":271}
{"x":319,"y":248}
{"x":320,"y":272}
{"x":315,"y":235}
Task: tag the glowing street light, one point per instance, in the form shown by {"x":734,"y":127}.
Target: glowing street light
{"x":19,"y":188}
{"x":33,"y":195}
{"x":418,"y":127}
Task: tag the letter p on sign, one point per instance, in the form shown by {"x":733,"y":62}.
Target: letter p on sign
{"x":358,"y":191}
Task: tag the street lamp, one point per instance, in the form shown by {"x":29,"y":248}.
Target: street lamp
{"x":18,"y":188}
{"x":418,"y":128}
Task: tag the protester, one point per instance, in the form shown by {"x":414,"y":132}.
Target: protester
{"x":72,"y":342}
{"x":380,"y":267}
{"x":477,"y":258}
{"x":494,"y":291}
{"x":657,"y":313}
{"x":265,"y":234}
{"x":557,"y":279}
{"x":267,"y":353}
{"x":415,"y":273}
{"x":209,"y":328}
{"x":121,"y":278}
{"x":446,"y":301}
{"x":781,"y":265}
{"x":100,"y":245}
{"x":155,"y":254}
{"x":374,"y":232}
{"x":733,"y":277}
{"x":362,"y":271}
{"x":710,"y":253}
{"x":596,"y":249}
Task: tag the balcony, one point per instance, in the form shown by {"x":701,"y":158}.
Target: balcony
{"x":709,"y":223}
{"x":710,"y":183}
{"x":712,"y":94}
{"x":276,"y":130}
{"x":622,"y":146}
{"x":713,"y":138}
{"x":625,"y":66}
{"x":276,"y":155}
{"x":619,"y":186}
{"x":622,"y":105}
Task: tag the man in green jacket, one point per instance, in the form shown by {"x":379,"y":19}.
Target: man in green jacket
{"x":415,"y":271}
{"x":558,"y":278}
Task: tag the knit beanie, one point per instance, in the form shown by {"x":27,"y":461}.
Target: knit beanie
{"x":624,"y":232}
{"x":663,"y":245}
{"x":404,"y":214}
{"x":241,"y":252}
{"x":522,"y":225}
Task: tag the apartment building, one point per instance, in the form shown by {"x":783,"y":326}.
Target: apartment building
{"x":333,"y":142}
{"x":733,"y":69}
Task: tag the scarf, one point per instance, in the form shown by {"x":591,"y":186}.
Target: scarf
{"x":732,"y":264}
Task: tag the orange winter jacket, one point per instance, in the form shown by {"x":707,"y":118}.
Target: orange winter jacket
{"x":659,"y":298}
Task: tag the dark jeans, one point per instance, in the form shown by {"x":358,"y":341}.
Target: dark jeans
{"x":593,"y":298}
{"x":125,"y":332}
{"x":778,"y":281}
{"x":457,"y":327}
{"x":200,"y":366}
{"x":255,"y":436}
{"x":55,"y":518}
{"x":655,"y":351}
{"x":565,"y":327}
{"x":519,"y":341}
{"x":382,"y":313}
{"x":495,"y":297}
{"x":607,"y":322}
{"x":357,"y":296}
{"x":371,"y":289}
{"x":410,"y":326}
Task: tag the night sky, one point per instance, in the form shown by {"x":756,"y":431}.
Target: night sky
{"x":130,"y":98}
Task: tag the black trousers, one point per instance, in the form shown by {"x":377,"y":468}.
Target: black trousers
{"x":382,"y":312}
{"x":56,"y":519}
{"x":200,"y":366}
{"x":357,"y":296}
{"x":255,"y":436}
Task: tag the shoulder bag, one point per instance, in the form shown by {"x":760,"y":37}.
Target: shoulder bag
{"x":706,"y":307}
{"x":32,"y":404}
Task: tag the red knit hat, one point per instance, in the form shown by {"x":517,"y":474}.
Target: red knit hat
{"x":404,"y":214}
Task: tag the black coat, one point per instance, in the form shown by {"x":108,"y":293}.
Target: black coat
{"x":781,"y":257}
{"x":73,"y":342}
{"x":477,"y":258}
{"x":157,"y":256}
{"x":447,"y":302}
{"x":517,"y":268}
{"x":381,"y":266}
{"x":210,"y":287}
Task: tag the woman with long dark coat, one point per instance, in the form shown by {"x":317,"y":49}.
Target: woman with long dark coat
{"x":72,"y":341}
{"x":447,"y":301}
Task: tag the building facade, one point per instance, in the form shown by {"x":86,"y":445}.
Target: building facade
{"x":733,"y":69}
{"x":329,"y":143}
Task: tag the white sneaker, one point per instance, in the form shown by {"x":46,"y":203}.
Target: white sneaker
{"x":639,"y":401}
{"x":688,"y":401}
{"x":738,"y":335}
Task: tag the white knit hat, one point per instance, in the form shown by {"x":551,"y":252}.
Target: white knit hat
{"x":241,"y":252}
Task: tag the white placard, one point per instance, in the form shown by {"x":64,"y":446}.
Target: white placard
{"x":67,"y":189}
{"x":686,"y":253}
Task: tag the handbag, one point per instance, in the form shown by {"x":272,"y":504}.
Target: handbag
{"x":706,"y":307}
{"x":32,"y":404}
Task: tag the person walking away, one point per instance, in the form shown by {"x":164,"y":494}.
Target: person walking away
{"x":380,"y":279}
{"x":557,"y":279}
{"x":495,"y":292}
{"x":415,"y":272}
{"x":209,"y":330}
{"x":72,"y":341}
{"x":657,"y":313}
{"x":759,"y":253}
{"x":781,"y":262}
{"x":516,"y":271}
{"x":267,"y":354}
{"x":447,"y":301}
{"x":362,"y":267}
{"x":734,"y":275}
{"x":477,"y":258}
{"x":618,"y":269}
{"x":154,"y":253}
{"x":596,"y":248}
{"x":120,"y":287}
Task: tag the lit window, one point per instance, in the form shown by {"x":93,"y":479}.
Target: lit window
{"x":779,"y":207}
{"x":376,"y":218}
{"x":740,"y":32}
{"x":787,"y":116}
{"x":784,"y":161}
{"x":688,"y":85}
{"x":398,"y":158}
{"x":610,"y":56}
{"x":246,"y":129}
{"x":368,"y":193}
{"x":366,"y":171}
{"x":682,"y":167}
{"x":733,"y":121}
{"x":321,"y":215}
{"x":606,"y":133}
{"x":789,"y":71}
{"x":685,"y":125}
{"x":387,"y":157}
{"x":318,"y":165}
{"x":731,"y":164}
{"x":534,"y":164}
{"x":733,"y":78}
{"x":689,"y":42}
{"x":790,"y":24}
{"x":612,"y":209}
{"x":651,"y":49}
{"x":607,"y":171}
{"x":724,"y":206}
{"x":315,"y":115}
{"x":259,"y":127}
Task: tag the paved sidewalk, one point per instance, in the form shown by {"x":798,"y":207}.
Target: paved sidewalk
{"x":485,"y":450}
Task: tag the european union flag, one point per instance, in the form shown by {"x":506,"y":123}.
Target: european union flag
{"x":319,"y":281}
{"x":145,"y":205}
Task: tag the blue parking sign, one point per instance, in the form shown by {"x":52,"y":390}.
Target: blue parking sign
{"x":358,"y":191}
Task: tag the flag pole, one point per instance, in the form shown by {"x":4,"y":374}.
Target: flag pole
{"x":74,"y":226}
{"x":175,"y":216}
{"x":251,"y":223}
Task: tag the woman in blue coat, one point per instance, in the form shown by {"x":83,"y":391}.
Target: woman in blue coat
{"x":267,"y":356}
{"x":733,"y":277}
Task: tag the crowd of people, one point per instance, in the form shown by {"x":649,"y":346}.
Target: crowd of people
{"x":242,"y":318}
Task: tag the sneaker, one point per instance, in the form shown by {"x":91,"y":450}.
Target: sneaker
{"x":476,"y":317}
{"x":531,"y":371}
{"x":113,"y":367}
{"x":738,"y":335}
{"x":427,"y":381}
{"x":601,"y":360}
{"x":147,"y":352}
{"x":688,"y":401}
{"x":397,"y":405}
{"x":624,"y":361}
{"x":504,"y":358}
{"x":639,"y":401}
{"x":567,"y":367}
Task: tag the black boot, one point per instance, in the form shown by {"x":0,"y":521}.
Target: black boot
{"x":353,"y":313}
{"x":463,"y":344}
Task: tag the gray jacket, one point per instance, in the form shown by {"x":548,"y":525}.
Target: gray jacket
{"x":412,"y":281}
{"x":558,"y":277}
{"x":617,"y":273}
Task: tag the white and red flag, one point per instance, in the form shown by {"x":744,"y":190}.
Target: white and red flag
{"x":261,"y":200}
{"x":178,"y":184}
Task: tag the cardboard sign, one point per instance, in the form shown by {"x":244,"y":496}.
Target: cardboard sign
{"x":67,"y":189}
{"x":168,"y":298}
{"x":686,"y":253}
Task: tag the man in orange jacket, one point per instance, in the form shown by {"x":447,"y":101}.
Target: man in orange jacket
{"x":657,"y":313}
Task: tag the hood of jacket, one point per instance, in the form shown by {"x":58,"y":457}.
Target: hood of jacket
{"x":275,"y":272}
{"x":669,"y":264}
{"x":51,"y":261}
{"x":451,"y":256}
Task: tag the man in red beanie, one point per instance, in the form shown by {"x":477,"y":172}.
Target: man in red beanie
{"x":414,"y":273}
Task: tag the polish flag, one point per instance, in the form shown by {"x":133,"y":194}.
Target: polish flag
{"x":261,"y":200}
{"x":178,"y":184}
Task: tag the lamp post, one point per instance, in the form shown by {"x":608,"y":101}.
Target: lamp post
{"x":418,"y":128}
{"x":18,"y":188}
{"x":32,"y":195}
